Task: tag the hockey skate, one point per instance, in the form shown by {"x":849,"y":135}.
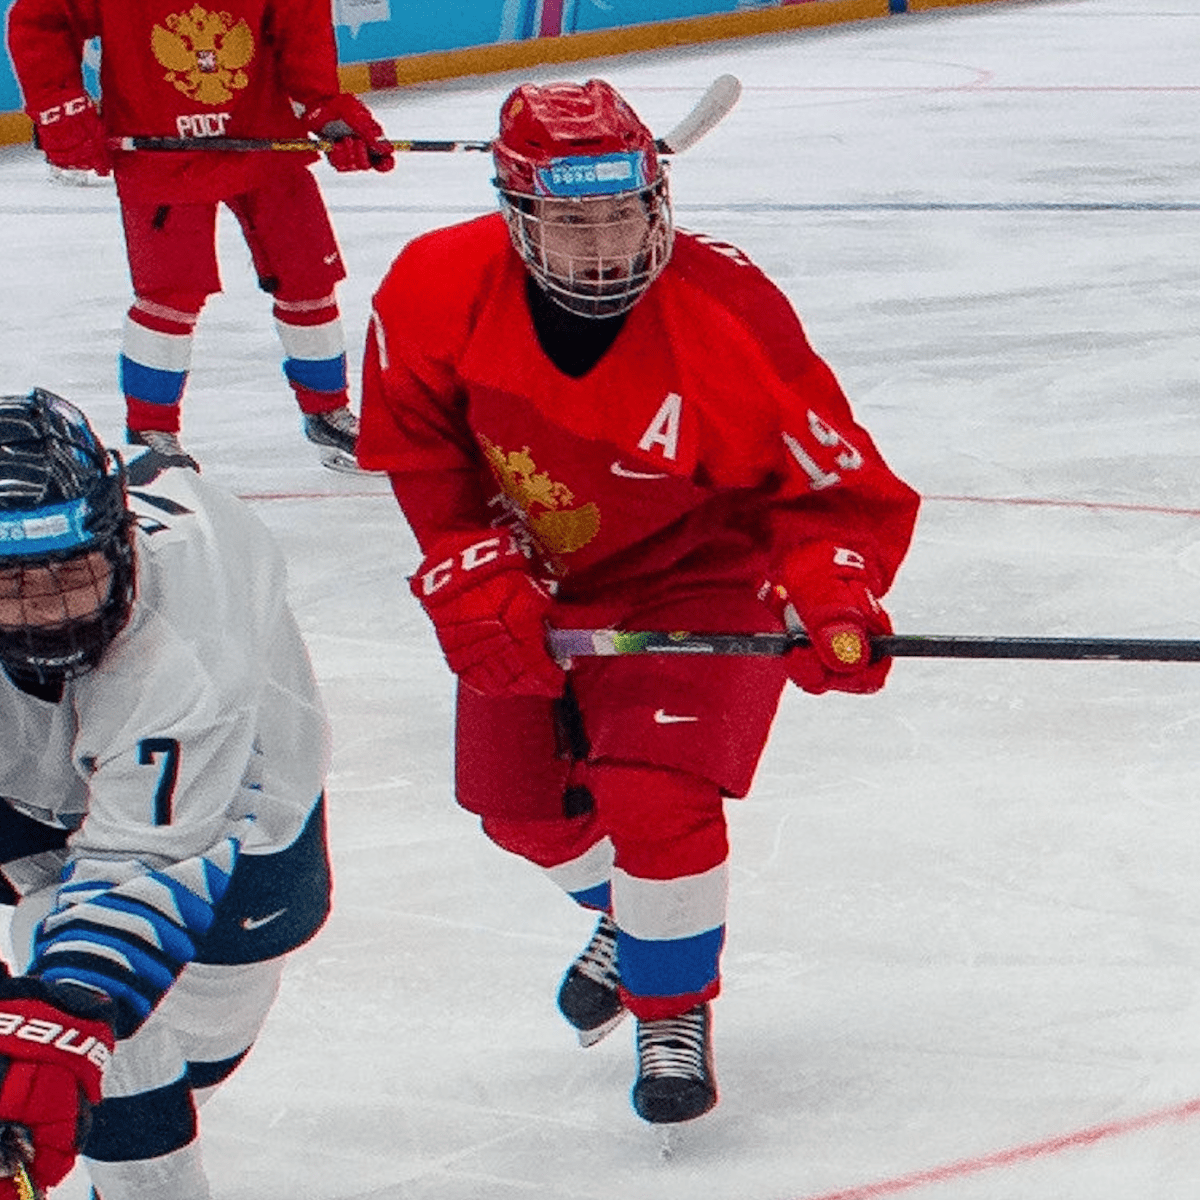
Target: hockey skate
{"x":588,"y":997}
{"x":335,"y":434}
{"x":165,"y":445}
{"x":675,"y":1071}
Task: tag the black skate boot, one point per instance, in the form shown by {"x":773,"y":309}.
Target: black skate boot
{"x":588,"y":997}
{"x":165,"y":445}
{"x":334,"y":433}
{"x":675,"y":1072}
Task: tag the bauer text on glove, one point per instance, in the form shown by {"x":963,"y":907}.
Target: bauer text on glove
{"x":54,"y":1046}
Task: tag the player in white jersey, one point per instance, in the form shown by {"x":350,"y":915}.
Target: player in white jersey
{"x":162,"y":834}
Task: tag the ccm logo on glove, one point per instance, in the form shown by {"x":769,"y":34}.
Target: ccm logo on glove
{"x":69,"y":108}
{"x":71,"y":136}
{"x":489,"y":613}
{"x":51,"y":1033}
{"x":469,"y":558}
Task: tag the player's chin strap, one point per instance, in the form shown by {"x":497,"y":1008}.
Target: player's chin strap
{"x":719,"y":97}
{"x":565,"y":644}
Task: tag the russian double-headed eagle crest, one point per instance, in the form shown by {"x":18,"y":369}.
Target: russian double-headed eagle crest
{"x":204,"y":53}
{"x":558,"y":527}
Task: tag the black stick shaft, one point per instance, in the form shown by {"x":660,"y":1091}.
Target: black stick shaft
{"x":243,"y":145}
{"x":303,"y":145}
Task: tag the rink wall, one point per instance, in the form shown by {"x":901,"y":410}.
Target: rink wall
{"x":394,"y":43}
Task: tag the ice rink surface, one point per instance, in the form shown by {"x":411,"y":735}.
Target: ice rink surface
{"x":964,"y":938}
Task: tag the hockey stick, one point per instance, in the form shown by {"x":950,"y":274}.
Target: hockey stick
{"x":580,"y":643}
{"x":26,"y":1188}
{"x":711,"y":109}
{"x":281,"y":144}
{"x":16,"y":1151}
{"x":719,"y":97}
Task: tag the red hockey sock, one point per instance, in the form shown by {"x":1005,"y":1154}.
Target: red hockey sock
{"x":155,"y":359}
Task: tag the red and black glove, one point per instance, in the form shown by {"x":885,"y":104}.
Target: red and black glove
{"x":358,"y":140}
{"x":489,"y":613}
{"x":831,"y":590}
{"x":54,"y":1045}
{"x":71,"y":135}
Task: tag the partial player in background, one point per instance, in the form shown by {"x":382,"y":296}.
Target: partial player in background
{"x":250,"y":68}
{"x":591,"y":419}
{"x":162,"y":827}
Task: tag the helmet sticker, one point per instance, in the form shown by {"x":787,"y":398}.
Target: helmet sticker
{"x":588,"y":175}
{"x":49,"y":530}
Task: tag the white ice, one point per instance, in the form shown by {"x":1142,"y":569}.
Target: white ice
{"x":964,"y":935}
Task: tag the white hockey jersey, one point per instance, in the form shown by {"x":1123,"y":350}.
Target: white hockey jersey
{"x":202,"y":723}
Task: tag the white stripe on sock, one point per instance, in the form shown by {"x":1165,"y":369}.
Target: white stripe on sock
{"x":589,"y":870}
{"x":159,"y":351}
{"x":314,"y":343}
{"x":667,"y":909}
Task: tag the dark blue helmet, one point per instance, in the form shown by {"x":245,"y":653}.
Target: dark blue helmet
{"x":62,"y":499}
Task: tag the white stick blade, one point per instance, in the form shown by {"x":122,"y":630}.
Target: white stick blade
{"x":710,"y":110}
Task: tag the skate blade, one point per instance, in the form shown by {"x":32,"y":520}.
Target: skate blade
{"x":589,"y":1037}
{"x":68,"y":177}
{"x":340,"y":461}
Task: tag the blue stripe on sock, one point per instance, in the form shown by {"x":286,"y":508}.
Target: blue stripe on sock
{"x":598,"y":897}
{"x":673,"y":967}
{"x":317,"y":374}
{"x":150,"y":384}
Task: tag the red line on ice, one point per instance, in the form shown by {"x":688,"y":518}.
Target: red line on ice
{"x":1016,"y":1154}
{"x":1095,"y":505}
{"x":1019,"y":501}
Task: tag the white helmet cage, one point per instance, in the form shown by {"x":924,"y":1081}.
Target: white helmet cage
{"x":594,"y":255}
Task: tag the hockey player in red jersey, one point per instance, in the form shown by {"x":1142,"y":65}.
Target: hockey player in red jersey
{"x":592,"y":419}
{"x":245,"y":68}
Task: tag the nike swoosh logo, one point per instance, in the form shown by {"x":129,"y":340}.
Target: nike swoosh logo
{"x":251,"y":923}
{"x":624,"y":473}
{"x":666,"y":718}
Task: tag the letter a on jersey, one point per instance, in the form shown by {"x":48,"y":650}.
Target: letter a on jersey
{"x":663,"y":430}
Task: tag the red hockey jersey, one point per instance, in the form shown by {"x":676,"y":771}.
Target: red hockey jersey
{"x":178,"y":69}
{"x":707,"y":441}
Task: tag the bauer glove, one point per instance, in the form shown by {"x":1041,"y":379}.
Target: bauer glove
{"x":489,"y":613}
{"x":830,"y":589}
{"x":71,"y":135}
{"x":358,"y":141}
{"x":55,"y":1042}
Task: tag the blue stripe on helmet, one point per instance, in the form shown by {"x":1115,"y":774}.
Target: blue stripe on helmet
{"x":593,"y":175}
{"x":48,"y":530}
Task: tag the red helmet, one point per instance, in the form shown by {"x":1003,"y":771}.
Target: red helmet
{"x":572,"y":139}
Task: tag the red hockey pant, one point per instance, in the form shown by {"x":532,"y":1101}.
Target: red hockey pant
{"x":643,"y":750}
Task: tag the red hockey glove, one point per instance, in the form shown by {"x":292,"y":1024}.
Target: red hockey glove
{"x":830,"y":589}
{"x":71,"y":135}
{"x":489,"y":613}
{"x":358,"y":141}
{"x":54,"y":1046}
